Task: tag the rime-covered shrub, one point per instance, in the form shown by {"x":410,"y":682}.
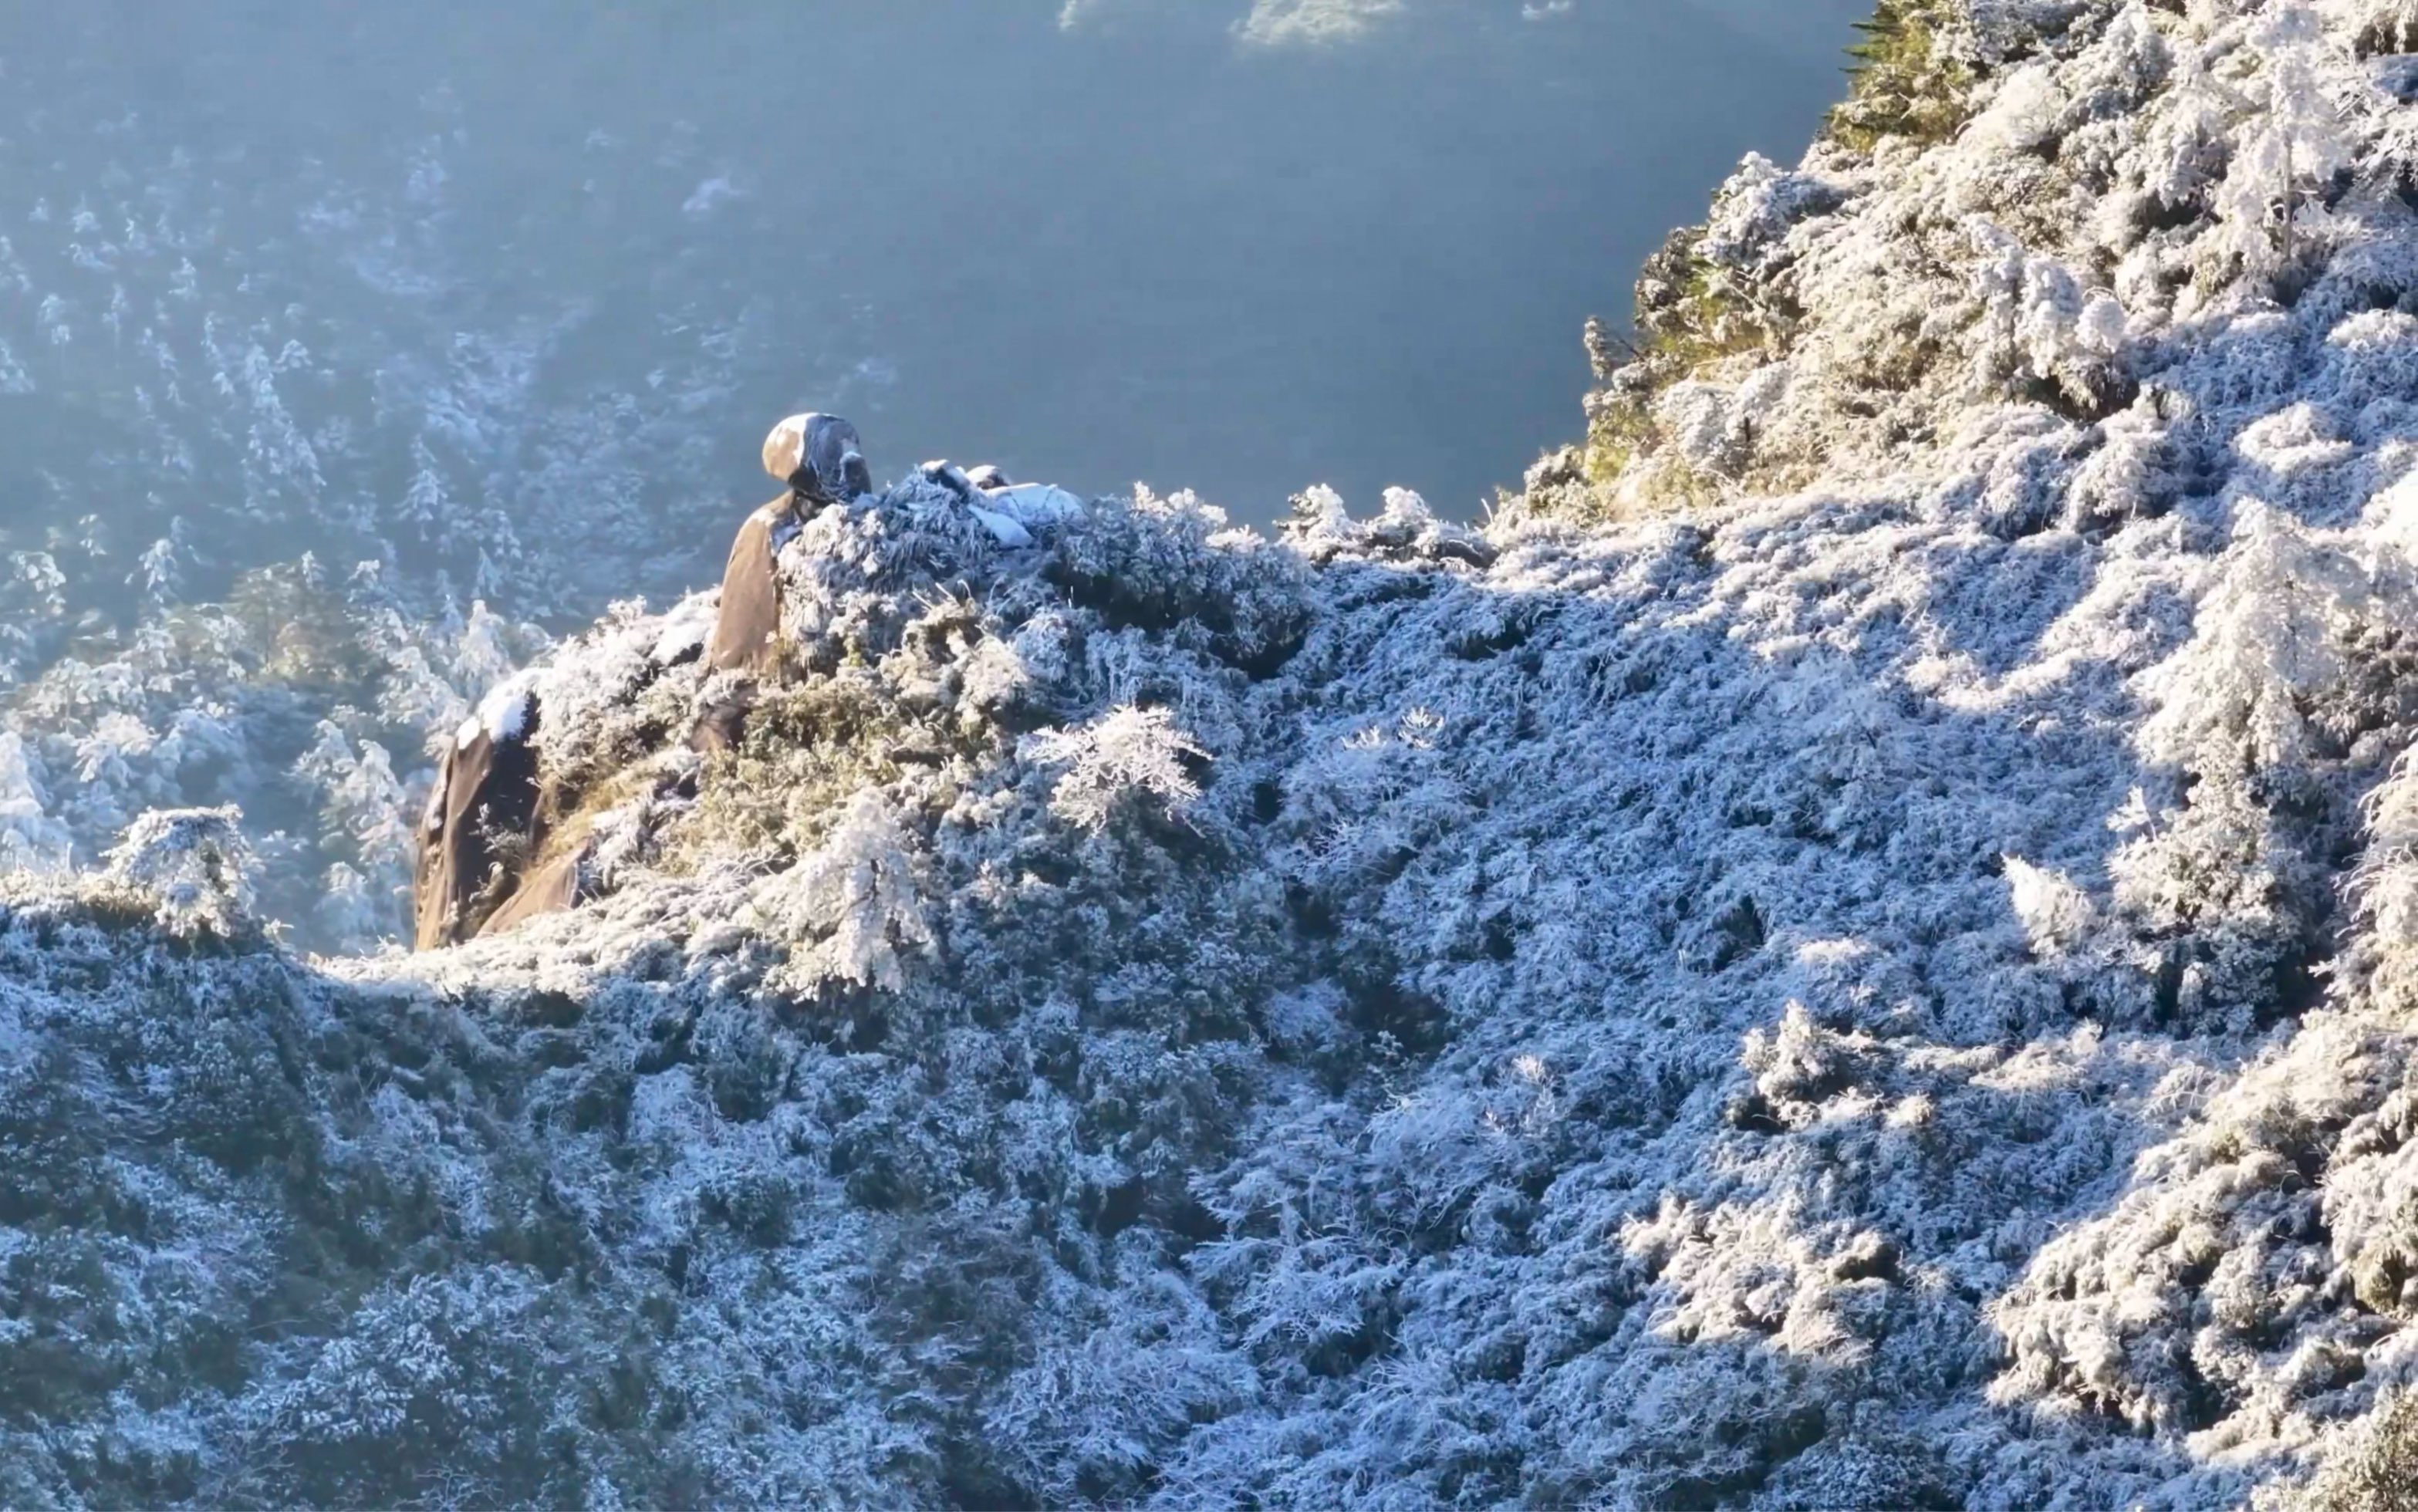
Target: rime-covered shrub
{"x":2014,"y":204}
{"x":194,"y":863}
{"x":2372,"y":1467}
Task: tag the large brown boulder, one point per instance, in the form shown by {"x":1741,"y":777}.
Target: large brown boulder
{"x":482,"y":822}
{"x":747,"y":625}
{"x":821,"y":461}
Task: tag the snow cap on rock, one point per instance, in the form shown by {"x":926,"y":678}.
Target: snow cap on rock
{"x":819,"y":456}
{"x":947,"y":475}
{"x":1034,"y":504}
{"x":503,"y":715}
{"x":1005,"y":530}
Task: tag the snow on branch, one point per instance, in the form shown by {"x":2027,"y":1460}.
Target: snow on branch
{"x":1129,"y":753}
{"x":195,"y":863}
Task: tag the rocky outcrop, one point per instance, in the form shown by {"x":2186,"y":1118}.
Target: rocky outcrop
{"x":483,"y":821}
{"x":747,"y":621}
{"x":532,"y":811}
{"x":503,"y":843}
{"x":820,"y":460}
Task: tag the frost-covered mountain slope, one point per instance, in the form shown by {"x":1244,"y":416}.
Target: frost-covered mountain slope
{"x":1887,"y":986}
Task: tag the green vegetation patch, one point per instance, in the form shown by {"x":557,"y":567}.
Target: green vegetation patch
{"x":1696,"y":319}
{"x":1692,"y":317}
{"x":1903,"y":83}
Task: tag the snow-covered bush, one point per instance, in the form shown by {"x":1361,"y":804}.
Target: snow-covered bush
{"x":1911,"y":79}
{"x":1128,"y":754}
{"x":851,"y":906}
{"x":195,"y":864}
{"x":2374,"y":1463}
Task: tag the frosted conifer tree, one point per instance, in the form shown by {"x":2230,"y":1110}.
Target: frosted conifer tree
{"x":2272,"y":198}
{"x":194,"y":863}
{"x":850,"y":909}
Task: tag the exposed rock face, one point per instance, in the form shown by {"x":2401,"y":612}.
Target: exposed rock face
{"x":822,"y":461}
{"x":483,"y":821}
{"x":747,"y":621}
{"x":552,"y":886}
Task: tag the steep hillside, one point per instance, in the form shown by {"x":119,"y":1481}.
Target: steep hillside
{"x":1854,"y":948}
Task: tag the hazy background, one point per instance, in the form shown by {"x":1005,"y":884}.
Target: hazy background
{"x":549,"y":269}
{"x":352,"y":349}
